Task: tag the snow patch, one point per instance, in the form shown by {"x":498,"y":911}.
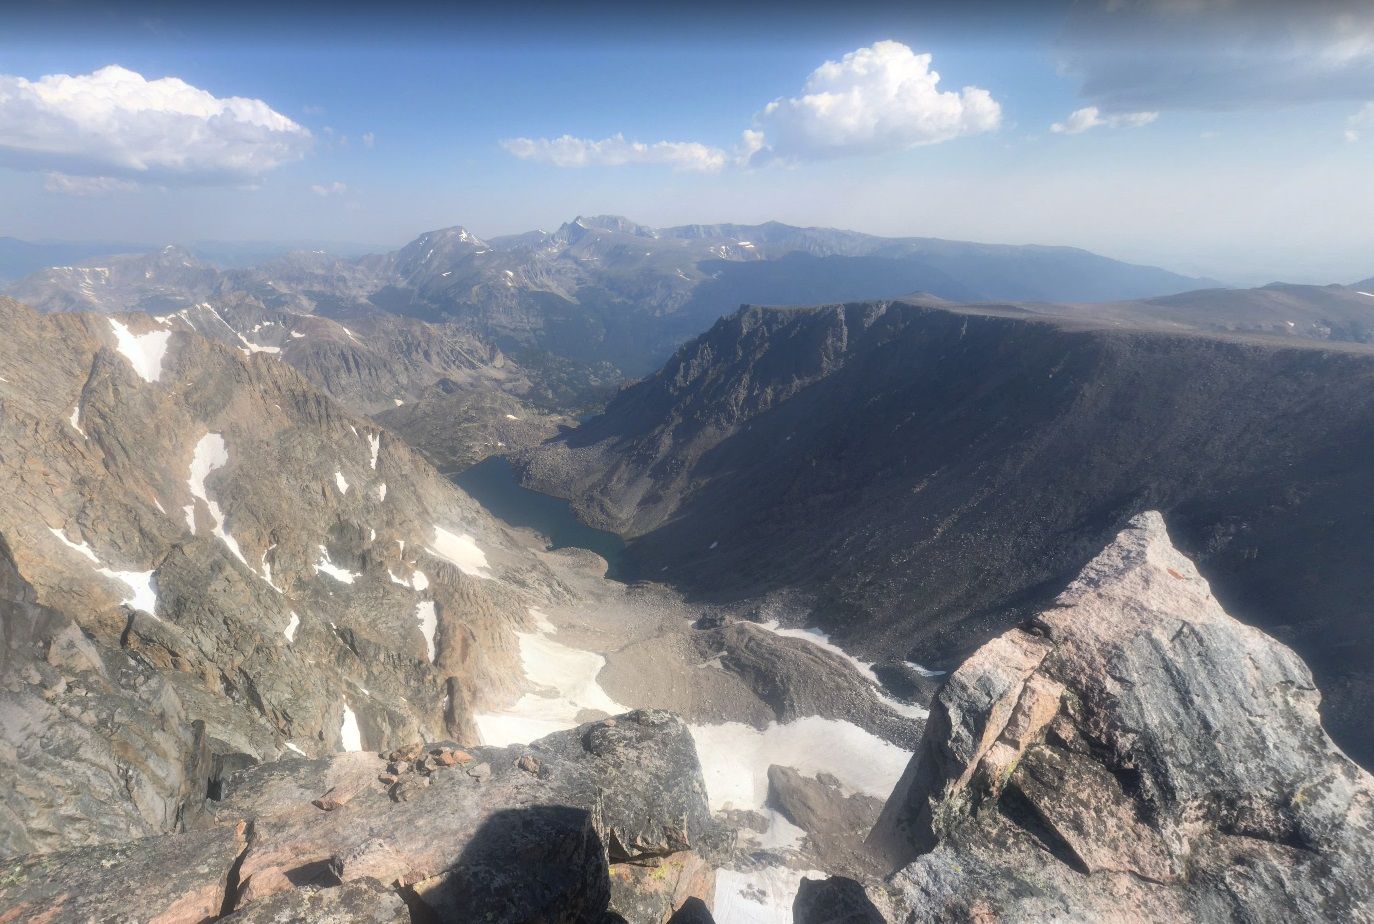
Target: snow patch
{"x":460,"y":550}
{"x":419,"y":581}
{"x":341,"y":482}
{"x":325,"y":566}
{"x":143,"y":351}
{"x":291,"y":627}
{"x":210,"y":454}
{"x":381,"y":492}
{"x":349,"y":735}
{"x":759,"y":896}
{"x":429,"y":621}
{"x":1367,"y":294}
{"x":374,"y":442}
{"x":565,"y":681}
{"x":292,"y":747}
{"x":76,"y":420}
{"x":511,"y":417}
{"x":142,"y":596}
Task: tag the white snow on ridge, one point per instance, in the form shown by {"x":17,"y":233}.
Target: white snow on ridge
{"x":350,"y":736}
{"x":210,"y":454}
{"x":567,"y":677}
{"x":143,"y":351}
{"x":374,"y":442}
{"x":76,"y":420}
{"x":325,"y":566}
{"x":381,"y":492}
{"x":341,"y":482}
{"x":142,"y":596}
{"x":429,"y":621}
{"x":1369,"y":294}
{"x":461,"y":550}
{"x":865,"y":668}
{"x":291,"y":627}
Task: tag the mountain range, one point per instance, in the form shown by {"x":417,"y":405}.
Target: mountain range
{"x":927,"y":472}
{"x":603,"y":289}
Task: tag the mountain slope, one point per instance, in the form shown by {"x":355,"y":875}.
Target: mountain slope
{"x":927,"y":473}
{"x":205,"y":547}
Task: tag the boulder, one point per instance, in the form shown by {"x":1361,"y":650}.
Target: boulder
{"x":519,"y":833}
{"x":1131,"y":754}
{"x":363,"y":901}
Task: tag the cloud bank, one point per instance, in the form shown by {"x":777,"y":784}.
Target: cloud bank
{"x":874,"y":100}
{"x":114,"y":123}
{"x":1134,"y":55}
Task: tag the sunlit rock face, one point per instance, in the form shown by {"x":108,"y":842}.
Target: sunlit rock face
{"x":1132,"y":753}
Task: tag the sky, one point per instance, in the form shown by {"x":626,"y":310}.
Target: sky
{"x":1223,"y":138}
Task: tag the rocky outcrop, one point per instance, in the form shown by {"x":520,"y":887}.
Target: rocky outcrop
{"x":1133,"y":753}
{"x":930,"y":475}
{"x":209,"y":563}
{"x":610,"y":816}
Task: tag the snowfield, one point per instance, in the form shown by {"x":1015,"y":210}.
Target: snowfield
{"x":143,"y":351}
{"x":460,"y":550}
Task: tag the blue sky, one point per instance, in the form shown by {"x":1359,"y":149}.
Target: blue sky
{"x":1216,"y":145}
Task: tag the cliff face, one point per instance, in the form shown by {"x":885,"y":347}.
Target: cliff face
{"x":1132,"y":753}
{"x":930,"y":474}
{"x":218,"y":564}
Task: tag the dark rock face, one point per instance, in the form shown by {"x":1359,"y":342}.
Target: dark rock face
{"x":932,"y":475}
{"x":1133,"y":753}
{"x":834,"y":901}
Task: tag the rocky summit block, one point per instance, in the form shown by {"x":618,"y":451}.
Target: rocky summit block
{"x":1131,"y":754}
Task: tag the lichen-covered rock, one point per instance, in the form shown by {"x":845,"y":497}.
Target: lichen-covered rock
{"x":168,"y":879}
{"x":656,"y":891}
{"x":1133,"y":753}
{"x":362,"y":901}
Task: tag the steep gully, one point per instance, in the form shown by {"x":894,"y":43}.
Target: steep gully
{"x":756,"y":694}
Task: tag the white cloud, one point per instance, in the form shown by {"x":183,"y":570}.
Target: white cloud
{"x":369,"y":139}
{"x":66,"y":185}
{"x":335,"y":188}
{"x":881,"y":98}
{"x":567,"y":151}
{"x":1359,"y":121}
{"x":116,"y":123}
{"x":1080,"y":120}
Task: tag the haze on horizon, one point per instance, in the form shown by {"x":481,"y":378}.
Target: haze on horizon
{"x":1214,"y":137}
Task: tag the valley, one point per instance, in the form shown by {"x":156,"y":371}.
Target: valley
{"x":269,"y":565}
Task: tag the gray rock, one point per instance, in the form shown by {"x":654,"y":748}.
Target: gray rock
{"x":169,"y":879}
{"x":630,"y":792}
{"x":836,"y":900}
{"x":1133,"y":753}
{"x":362,"y":901}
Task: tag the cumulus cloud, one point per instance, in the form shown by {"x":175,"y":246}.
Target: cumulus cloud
{"x":881,"y":98}
{"x":568,"y":151}
{"x":335,"y":188}
{"x":1133,"y":55}
{"x":114,"y":123}
{"x":1080,"y":120}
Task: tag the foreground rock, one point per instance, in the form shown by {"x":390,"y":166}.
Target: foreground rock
{"x":611,"y":816}
{"x":1133,"y":753}
{"x":521,"y":833}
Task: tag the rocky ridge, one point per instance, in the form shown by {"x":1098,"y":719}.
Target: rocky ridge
{"x":929,"y":474}
{"x":1131,"y":754}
